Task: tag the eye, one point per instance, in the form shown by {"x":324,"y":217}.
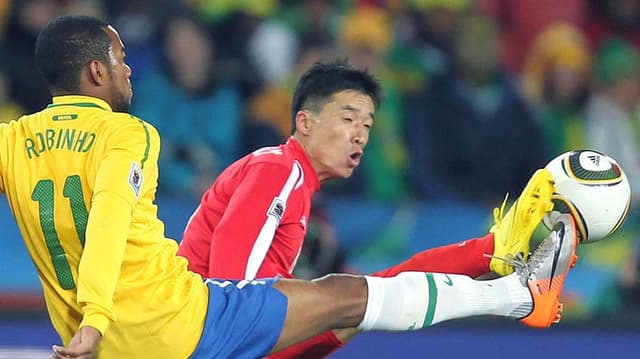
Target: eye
{"x":368,"y":126}
{"x":348,"y":119}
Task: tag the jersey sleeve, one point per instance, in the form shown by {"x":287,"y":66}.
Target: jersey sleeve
{"x":241,"y":240}
{"x":119,"y":181}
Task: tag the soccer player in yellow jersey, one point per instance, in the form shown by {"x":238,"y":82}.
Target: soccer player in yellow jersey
{"x":80,"y":177}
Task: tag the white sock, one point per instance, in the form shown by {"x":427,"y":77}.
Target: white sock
{"x":458,"y":296}
{"x":413,"y":300}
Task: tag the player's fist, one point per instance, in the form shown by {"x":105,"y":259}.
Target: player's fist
{"x":83,"y":345}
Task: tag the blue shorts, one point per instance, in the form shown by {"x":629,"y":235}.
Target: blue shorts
{"x":244,"y":319}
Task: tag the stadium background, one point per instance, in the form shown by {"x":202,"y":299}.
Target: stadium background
{"x":401,"y":200}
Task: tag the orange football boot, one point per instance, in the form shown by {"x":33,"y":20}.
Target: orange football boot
{"x":546,"y":271}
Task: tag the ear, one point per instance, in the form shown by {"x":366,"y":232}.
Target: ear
{"x":97,"y":72}
{"x":304,"y":122}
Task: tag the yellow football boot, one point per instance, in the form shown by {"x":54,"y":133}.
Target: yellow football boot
{"x":513,"y":230}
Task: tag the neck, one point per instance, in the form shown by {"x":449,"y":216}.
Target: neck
{"x":58,"y":92}
{"x":322,"y":174}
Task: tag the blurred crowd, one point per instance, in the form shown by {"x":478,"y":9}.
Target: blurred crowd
{"x":479,"y":93}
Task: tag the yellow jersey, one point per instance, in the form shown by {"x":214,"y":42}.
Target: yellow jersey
{"x":81,"y":181}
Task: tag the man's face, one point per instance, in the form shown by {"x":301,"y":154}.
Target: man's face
{"x":120,"y":90}
{"x":335,"y":136}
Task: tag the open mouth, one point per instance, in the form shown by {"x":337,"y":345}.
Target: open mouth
{"x":355,"y":157}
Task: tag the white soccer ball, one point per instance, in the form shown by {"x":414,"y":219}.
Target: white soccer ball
{"x":592,"y":187}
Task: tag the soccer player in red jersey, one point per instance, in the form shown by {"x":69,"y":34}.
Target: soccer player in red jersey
{"x":252,"y":222}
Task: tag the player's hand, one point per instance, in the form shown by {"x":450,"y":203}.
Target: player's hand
{"x":83,"y":345}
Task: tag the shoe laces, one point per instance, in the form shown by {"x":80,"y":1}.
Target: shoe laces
{"x":531,"y":267}
{"x":498,"y":212}
{"x":518,"y":262}
{"x":527,"y":269}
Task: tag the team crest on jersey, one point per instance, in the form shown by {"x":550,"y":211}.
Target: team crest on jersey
{"x":276,"y":209}
{"x":135,"y":178}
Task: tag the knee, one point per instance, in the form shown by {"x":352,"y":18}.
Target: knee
{"x":344,"y":284}
{"x":348,"y":293}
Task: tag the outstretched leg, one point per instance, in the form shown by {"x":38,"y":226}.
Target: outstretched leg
{"x":509,"y":239}
{"x":414,"y":300}
{"x":253,"y":318}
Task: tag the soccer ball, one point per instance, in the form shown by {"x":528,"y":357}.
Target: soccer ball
{"x":592,"y":187}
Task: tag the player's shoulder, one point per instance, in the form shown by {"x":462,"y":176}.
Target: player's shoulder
{"x":12,"y":125}
{"x":125,"y":119}
{"x":9,"y":124}
{"x":263,"y":159}
{"x":4,"y":127}
{"x":130,"y":125}
{"x":278,"y":155}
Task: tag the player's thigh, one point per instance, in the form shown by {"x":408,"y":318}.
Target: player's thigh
{"x":244,"y":319}
{"x":332,"y":302}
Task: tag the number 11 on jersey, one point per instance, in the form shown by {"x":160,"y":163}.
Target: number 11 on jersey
{"x":44,"y":194}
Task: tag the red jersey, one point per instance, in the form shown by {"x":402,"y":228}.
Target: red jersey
{"x":252,"y":222}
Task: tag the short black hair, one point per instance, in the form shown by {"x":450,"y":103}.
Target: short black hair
{"x":68,"y":43}
{"x":324,"y":79}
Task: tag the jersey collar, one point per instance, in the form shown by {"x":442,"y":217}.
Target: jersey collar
{"x":306,"y":163}
{"x":79,"y":101}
